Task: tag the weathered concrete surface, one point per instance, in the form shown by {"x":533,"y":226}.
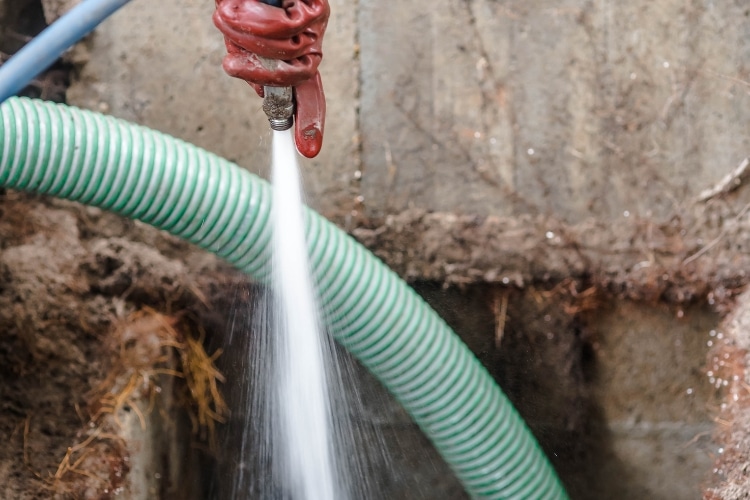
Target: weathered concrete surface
{"x":629,"y":119}
{"x":577,"y":109}
{"x":653,"y":397}
{"x":614,"y":390}
{"x":629,"y":116}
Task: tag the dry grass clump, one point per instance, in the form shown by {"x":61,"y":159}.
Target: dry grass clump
{"x":146,"y":347}
{"x":151,"y":345}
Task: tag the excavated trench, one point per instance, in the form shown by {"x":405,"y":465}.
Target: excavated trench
{"x":615,"y":390}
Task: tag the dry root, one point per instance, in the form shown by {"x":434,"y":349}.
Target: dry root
{"x":147,"y":346}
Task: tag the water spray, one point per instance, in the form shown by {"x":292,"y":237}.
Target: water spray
{"x":82,"y":156}
{"x":278,"y":102}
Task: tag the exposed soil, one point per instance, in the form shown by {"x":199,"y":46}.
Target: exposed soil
{"x":696,"y":255}
{"x":68,"y":283}
{"x":727,"y":368}
{"x":94,"y":311}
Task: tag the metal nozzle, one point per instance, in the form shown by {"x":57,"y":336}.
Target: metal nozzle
{"x":278,"y":104}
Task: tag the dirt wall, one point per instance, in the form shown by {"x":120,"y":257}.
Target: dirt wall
{"x":83,"y":353}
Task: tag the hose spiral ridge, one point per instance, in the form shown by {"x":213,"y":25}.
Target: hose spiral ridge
{"x":139,"y":173}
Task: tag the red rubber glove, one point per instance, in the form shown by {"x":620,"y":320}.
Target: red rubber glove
{"x":292,"y":36}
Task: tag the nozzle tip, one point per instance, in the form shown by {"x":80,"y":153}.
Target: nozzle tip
{"x":278,"y":105}
{"x":281,"y":124}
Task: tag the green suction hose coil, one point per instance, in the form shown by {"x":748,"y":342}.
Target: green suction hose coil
{"x":138,"y":173}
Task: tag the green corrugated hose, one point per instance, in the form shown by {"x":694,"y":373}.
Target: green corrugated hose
{"x":136,"y":172}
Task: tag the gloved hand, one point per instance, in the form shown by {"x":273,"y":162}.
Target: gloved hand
{"x":292,"y":36}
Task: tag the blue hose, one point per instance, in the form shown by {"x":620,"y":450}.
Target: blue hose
{"x":41,"y":52}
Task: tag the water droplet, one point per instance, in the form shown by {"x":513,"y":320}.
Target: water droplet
{"x":665,"y":64}
{"x":710,"y":343}
{"x":689,"y":391}
{"x":633,"y":76}
{"x":549,"y":235}
{"x":712,"y":333}
{"x":530,"y":151}
{"x":506,"y":280}
{"x":493,"y":140}
{"x":720,"y":450}
{"x":477,"y":135}
{"x":360,"y":199}
{"x":719,"y":335}
{"x":626,"y":213}
{"x":358,"y":174}
{"x":157,"y":475}
{"x":710,"y":374}
{"x":680,"y":313}
{"x":547,"y":318}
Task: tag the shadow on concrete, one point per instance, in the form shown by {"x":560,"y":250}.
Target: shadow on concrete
{"x":555,"y":368}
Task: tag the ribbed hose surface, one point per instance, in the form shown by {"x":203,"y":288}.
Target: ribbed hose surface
{"x":100,"y":161}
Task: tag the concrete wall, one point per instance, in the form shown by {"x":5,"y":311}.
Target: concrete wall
{"x":652,"y":402}
{"x":579,"y":109}
{"x":578,"y":127}
{"x":573,"y":108}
